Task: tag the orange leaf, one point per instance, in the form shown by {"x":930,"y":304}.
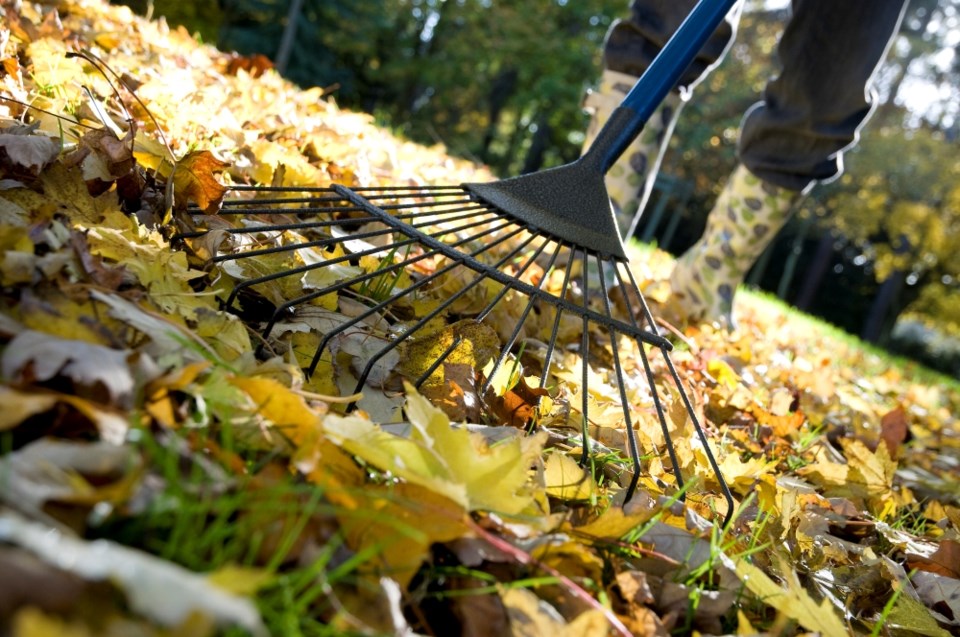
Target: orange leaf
{"x":894,"y":429}
{"x":194,"y":180}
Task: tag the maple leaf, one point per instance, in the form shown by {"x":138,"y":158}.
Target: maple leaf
{"x":193,"y":180}
{"x":793,"y":601}
{"x":449,"y":460}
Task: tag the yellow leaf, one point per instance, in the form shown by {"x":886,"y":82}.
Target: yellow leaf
{"x":66,"y":188}
{"x":614,"y":523}
{"x":33,"y":622}
{"x":52,"y":69}
{"x":566,"y":479}
{"x":723,"y":373}
{"x":573,"y":559}
{"x":742,"y":476}
{"x":402,"y":457}
{"x":450,"y":461}
{"x":496,"y":478}
{"x":400,"y":523}
{"x":794,"y":601}
{"x":277,"y":403}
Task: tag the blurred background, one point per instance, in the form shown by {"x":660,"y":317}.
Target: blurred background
{"x":876,"y":252}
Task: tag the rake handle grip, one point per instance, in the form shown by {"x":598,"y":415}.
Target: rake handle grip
{"x":658,"y":80}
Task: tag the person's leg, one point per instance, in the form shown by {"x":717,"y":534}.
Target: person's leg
{"x":631,"y":45}
{"x":813,"y":110}
{"x":794,"y":138}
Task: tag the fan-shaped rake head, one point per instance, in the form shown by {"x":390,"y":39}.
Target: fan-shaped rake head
{"x":418,"y":281}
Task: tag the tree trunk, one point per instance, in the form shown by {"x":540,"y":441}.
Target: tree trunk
{"x":819,"y":267}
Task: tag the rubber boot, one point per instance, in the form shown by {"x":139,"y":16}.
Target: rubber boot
{"x":745,"y":219}
{"x":630,"y":179}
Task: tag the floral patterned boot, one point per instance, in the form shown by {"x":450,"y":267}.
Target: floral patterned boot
{"x":627,"y":179}
{"x":745,"y":219}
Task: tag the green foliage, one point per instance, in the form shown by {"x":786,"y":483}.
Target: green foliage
{"x":199,"y":18}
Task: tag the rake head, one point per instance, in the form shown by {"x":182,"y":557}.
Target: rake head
{"x":448,"y":287}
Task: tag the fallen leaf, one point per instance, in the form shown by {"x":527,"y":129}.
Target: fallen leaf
{"x":159,"y":590}
{"x":30,"y":152}
{"x":194,"y":181}
{"x":793,"y":601}
{"x":940,"y":594}
{"x":451,"y":461}
{"x":277,"y":403}
{"x":78,"y":474}
{"x":20,"y":405}
{"x":565,"y":479}
{"x":894,"y":429}
{"x":37,"y":357}
{"x":911,"y":617}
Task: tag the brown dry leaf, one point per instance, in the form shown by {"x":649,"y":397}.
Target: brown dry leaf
{"x":26,"y":152}
{"x":944,"y":561}
{"x":518,"y":406}
{"x":105,"y":156}
{"x":194,"y":181}
{"x":255,"y":65}
{"x":894,"y":429}
{"x":106,"y":374}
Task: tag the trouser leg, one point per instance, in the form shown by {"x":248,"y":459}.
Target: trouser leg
{"x":795,"y":137}
{"x":812,"y":111}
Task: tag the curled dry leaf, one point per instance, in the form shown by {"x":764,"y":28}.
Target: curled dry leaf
{"x":26,"y":153}
{"x":99,"y":372}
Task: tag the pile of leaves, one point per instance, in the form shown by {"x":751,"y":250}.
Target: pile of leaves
{"x":160,"y":477}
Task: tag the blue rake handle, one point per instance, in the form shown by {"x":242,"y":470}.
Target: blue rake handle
{"x":629,"y":118}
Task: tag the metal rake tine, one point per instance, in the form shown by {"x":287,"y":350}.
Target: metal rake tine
{"x":438,"y":362}
{"x":585,"y":363}
{"x":303,"y":269}
{"x":618,"y":370}
{"x":724,"y":487}
{"x":293,"y":247}
{"x":340,"y":285}
{"x":482,"y":315}
{"x":436,"y":311}
{"x":282,"y":309}
{"x":657,"y":403}
{"x":551,"y":345}
{"x":370,"y":311}
{"x":329,"y":336}
{"x":727,"y":495}
{"x":523,"y":315}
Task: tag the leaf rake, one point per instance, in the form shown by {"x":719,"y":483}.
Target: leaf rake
{"x":378,"y":273}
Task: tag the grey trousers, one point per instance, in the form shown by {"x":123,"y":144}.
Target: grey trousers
{"x":811,"y":112}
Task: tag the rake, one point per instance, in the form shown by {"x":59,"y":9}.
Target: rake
{"x":380,"y":273}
